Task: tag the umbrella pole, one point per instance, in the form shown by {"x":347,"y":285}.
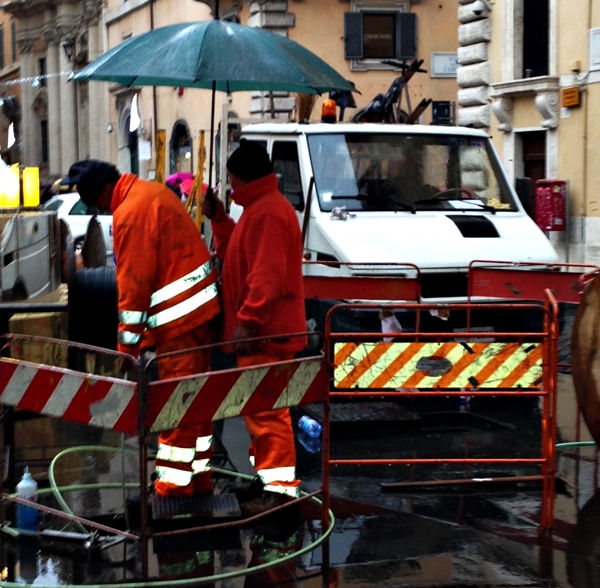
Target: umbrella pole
{"x":212,"y":135}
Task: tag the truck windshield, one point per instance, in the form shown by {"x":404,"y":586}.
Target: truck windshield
{"x":377,"y":172}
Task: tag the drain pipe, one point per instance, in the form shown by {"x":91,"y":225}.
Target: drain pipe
{"x":154,"y":99}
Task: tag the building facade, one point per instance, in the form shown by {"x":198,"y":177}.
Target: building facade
{"x":529,"y":72}
{"x":58,"y":117}
{"x":64,"y":121}
{"x":402,"y":30}
{"x":10,"y":89}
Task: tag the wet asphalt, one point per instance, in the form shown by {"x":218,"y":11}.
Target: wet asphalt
{"x":477,"y":534}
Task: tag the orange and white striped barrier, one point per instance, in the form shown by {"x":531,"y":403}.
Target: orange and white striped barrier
{"x":112,"y":403}
{"x":230,"y":393}
{"x":99,"y":401}
{"x":448,"y":365}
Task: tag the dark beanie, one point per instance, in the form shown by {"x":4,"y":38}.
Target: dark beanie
{"x":250,"y":161}
{"x":90,"y":176}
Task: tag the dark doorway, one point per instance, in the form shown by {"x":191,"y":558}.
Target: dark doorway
{"x":534,"y":155}
{"x":180,"y":148}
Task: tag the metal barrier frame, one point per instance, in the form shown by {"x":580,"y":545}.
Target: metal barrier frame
{"x":366,"y":286}
{"x":528,"y":280}
{"x":35,"y":383}
{"x":548,"y":338}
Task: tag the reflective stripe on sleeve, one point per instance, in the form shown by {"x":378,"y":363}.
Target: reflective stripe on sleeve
{"x":182,"y":284}
{"x":132,"y":317}
{"x":183,"y":308}
{"x":129,"y":338}
{"x":179,"y":454}
{"x":173,"y":476}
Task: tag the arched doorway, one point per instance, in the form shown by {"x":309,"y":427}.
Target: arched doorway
{"x":180,"y":148}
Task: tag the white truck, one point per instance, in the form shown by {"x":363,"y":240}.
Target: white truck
{"x":433,"y":196}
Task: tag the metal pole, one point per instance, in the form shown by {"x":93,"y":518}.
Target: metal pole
{"x":212,"y":130}
{"x":143,"y":447}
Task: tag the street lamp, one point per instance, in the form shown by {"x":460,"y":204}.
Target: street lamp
{"x":68,"y":48}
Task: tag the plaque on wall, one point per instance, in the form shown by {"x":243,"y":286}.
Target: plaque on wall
{"x":444,"y":64}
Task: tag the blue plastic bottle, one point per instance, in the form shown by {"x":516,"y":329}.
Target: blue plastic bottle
{"x":310,"y":426}
{"x":27,"y":517}
{"x":311,"y":444}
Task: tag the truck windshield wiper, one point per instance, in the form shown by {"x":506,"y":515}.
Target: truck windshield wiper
{"x":366,"y":198}
{"x":440,"y":199}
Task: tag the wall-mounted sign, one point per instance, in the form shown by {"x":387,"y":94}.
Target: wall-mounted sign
{"x":570,"y":97}
{"x":444,"y":64}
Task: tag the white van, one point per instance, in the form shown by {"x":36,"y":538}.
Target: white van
{"x":433,"y":196}
{"x":30,"y":253}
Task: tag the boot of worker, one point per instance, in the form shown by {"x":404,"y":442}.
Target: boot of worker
{"x":245,"y":492}
{"x":274,"y":451}
{"x":270,"y":499}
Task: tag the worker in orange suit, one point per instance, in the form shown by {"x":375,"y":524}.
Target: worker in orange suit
{"x":262,"y":295}
{"x":167,"y":299}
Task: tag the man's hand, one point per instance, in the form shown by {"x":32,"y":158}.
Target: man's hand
{"x":213,"y":207}
{"x":244,"y":347}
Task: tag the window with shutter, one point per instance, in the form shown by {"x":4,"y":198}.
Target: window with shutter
{"x":375,"y":31}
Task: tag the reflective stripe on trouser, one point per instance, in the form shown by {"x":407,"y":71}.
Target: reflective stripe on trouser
{"x":272,"y":438}
{"x":193,"y":437}
{"x":177,"y":466}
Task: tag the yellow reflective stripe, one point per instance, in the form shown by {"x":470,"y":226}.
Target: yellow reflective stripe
{"x":182,"y":284}
{"x":129,"y":338}
{"x":179,"y":454}
{"x":203,"y":443}
{"x":285,"y":474}
{"x":173,"y":476}
{"x":293,"y":491}
{"x":183,"y":308}
{"x":200,"y":466}
{"x":132,"y":317}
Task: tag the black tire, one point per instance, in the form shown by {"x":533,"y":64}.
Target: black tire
{"x":93,"y":307}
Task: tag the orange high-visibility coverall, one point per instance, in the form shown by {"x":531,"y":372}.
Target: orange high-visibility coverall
{"x":262,"y":287}
{"x":167,"y":297}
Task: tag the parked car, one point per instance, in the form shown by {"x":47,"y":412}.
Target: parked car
{"x":77,"y":215}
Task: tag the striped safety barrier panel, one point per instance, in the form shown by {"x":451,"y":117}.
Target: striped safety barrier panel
{"x":428,"y":366}
{"x":99,"y":401}
{"x":230,"y":393}
{"x":112,"y":403}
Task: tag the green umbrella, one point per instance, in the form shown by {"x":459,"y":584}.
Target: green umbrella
{"x":216,"y":55}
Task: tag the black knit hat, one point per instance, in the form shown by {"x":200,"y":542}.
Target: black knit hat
{"x":90,"y":176}
{"x":250,"y":161}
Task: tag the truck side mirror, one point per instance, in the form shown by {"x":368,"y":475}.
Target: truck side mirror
{"x":524,"y":189}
